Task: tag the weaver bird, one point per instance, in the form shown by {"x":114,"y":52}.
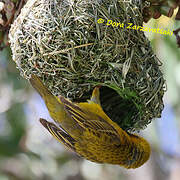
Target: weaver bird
{"x":87,"y":130}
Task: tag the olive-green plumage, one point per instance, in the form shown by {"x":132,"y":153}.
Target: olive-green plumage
{"x":87,"y":130}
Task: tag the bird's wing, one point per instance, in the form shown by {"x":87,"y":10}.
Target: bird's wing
{"x":59,"y":134}
{"x":90,"y":116}
{"x":95,"y":98}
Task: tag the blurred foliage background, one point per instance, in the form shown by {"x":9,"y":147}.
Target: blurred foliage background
{"x":28,"y":152}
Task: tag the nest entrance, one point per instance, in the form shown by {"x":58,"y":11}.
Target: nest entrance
{"x":120,"y":110}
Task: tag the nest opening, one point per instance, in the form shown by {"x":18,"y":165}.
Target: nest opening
{"x":122,"y":110}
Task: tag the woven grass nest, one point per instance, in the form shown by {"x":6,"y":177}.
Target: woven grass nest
{"x":62,"y":42}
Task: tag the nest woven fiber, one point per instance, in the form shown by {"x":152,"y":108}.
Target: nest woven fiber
{"x":63,"y":42}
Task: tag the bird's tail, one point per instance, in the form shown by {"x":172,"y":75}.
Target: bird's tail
{"x":59,"y":134}
{"x":39,"y":86}
{"x":55,"y":107}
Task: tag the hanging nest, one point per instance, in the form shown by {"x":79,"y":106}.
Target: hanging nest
{"x":71,"y":50}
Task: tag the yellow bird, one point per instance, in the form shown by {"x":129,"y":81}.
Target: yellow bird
{"x":87,"y":130}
